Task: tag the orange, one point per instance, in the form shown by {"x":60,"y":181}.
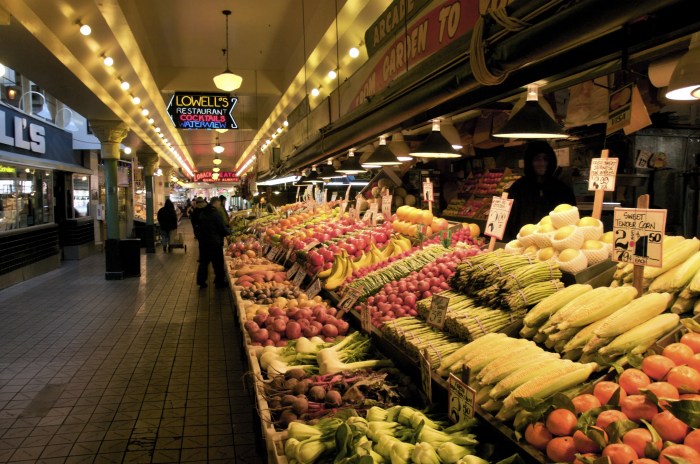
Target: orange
{"x":679,"y":353}
{"x":631,"y":380}
{"x":561,"y":449}
{"x":690,"y":396}
{"x":663,"y":390}
{"x":692,"y":339}
{"x":681,"y":451}
{"x":638,"y":407}
{"x":693,"y":440}
{"x":584,"y":402}
{"x":670,"y":428}
{"x":605,"y":390}
{"x":606,"y":418}
{"x":657,"y":366}
{"x":638,"y":439}
{"x":584,"y":444}
{"x":644,"y":461}
{"x":561,"y":422}
{"x":694,"y":362}
{"x":685,"y":379}
{"x":619,"y":453}
{"x":537,"y":435}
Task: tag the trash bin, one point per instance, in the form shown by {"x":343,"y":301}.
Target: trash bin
{"x":130,"y":256}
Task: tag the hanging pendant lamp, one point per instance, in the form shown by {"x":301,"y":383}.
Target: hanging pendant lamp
{"x":531,"y":121}
{"x":351,"y":165}
{"x":436,"y":145}
{"x":328,"y":172}
{"x":400,"y":148}
{"x":382,"y":156}
{"x":685,"y":80}
{"x":313,"y":177}
{"x":227,"y":81}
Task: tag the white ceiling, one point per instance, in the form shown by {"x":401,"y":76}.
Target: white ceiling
{"x":160,"y":46}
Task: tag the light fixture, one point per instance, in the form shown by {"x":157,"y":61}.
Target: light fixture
{"x":124,"y":85}
{"x":216,"y":169}
{"x":382,"y":156}
{"x":354,"y":52}
{"x":285,"y":123}
{"x":2,"y":70}
{"x":313,"y":177}
{"x":218,"y":148}
{"x":332,"y":74}
{"x":400,"y":148}
{"x":44,"y":113}
{"x":531,"y":121}
{"x":215,"y":176}
{"x":221,"y":131}
{"x":302,"y":180}
{"x":107,"y":60}
{"x":328,"y":172}
{"x":449,"y":131}
{"x":685,"y":80}
{"x":127,"y":150}
{"x":217,"y":161}
{"x":268,"y":142}
{"x":274,"y":135}
{"x":227,"y":81}
{"x":70,"y":125}
{"x":157,"y":129}
{"x":279,"y":130}
{"x":135,"y":100}
{"x":315,"y":92}
{"x":151,"y":120}
{"x":435,"y":146}
{"x":85,"y":29}
{"x":351,"y":165}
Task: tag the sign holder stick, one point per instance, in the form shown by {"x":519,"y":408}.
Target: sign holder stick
{"x":638,"y":271}
{"x":599,"y":194}
{"x":492,"y":242}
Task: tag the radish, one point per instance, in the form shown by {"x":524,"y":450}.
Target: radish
{"x":260,"y":336}
{"x":330,"y":330}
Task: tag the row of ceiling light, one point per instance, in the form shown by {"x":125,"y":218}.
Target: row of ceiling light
{"x":108,"y":61}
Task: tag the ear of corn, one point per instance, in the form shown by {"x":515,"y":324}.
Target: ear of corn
{"x":694,"y":285}
{"x":497,"y":371}
{"x":477,"y":363}
{"x":597,"y":294}
{"x":675,"y":279}
{"x":596,"y":309}
{"x":682,"y":305}
{"x":545,"y":308}
{"x":466,"y":350}
{"x":647,"y":332}
{"x":546,"y":385}
{"x":580,"y":339}
{"x":640,"y":310}
{"x":528,"y":332}
{"x":525,"y":374}
{"x":672,"y":257}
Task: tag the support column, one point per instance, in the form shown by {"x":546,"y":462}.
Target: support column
{"x":110,"y":134}
{"x":149,"y":161}
{"x":167,"y":172}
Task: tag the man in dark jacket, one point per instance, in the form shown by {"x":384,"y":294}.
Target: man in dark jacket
{"x":538,"y":192}
{"x":199,"y":205}
{"x":167,"y":220}
{"x":211,"y":231}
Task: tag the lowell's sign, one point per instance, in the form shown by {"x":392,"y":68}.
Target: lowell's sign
{"x":20,"y":132}
{"x":189,"y":110}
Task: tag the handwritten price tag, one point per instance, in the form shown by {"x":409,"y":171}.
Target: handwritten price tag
{"x":438,"y":311}
{"x":386,"y":206}
{"x":639,"y":236}
{"x":314,"y":289}
{"x":366,"y":319}
{"x":425,"y":375}
{"x":334,"y":196}
{"x":367,"y":217}
{"x":428,"y":192}
{"x":461,"y":399}
{"x":498,"y":217}
{"x":289,"y":254}
{"x":311,"y":244}
{"x":293,"y":270}
{"x":299,"y":277}
{"x":602,"y":174}
{"x":272,"y":253}
{"x":349,"y":299}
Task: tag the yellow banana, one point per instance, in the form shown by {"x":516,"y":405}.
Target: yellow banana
{"x":337,"y":279}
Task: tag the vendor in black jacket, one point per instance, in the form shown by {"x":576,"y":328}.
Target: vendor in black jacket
{"x":538,"y":192}
{"x":211,"y":231}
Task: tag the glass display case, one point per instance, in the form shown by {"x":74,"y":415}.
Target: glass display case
{"x":25,"y":197}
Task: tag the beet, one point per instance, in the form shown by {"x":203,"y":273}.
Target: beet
{"x":289,"y":384}
{"x":287,"y":417}
{"x":302,"y":387}
{"x":300,"y":406}
{"x":295,"y":374}
{"x":334,"y":399}
{"x":317,"y":393}
{"x":278,"y":382}
{"x":288,"y":400}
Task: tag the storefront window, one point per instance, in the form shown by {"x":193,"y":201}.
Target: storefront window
{"x":25,"y":197}
{"x":81,"y":195}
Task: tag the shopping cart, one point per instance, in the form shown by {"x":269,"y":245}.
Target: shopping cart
{"x":177,"y":241}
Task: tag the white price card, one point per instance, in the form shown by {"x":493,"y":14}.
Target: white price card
{"x":425,"y":375}
{"x":289,"y":254}
{"x":386,"y":206}
{"x":602,"y":174}
{"x":639,"y":236}
{"x":366,"y":319}
{"x":311,"y":245}
{"x":367,"y":217}
{"x":343,"y":206}
{"x":428,"y":192}
{"x":349,"y":299}
{"x":272,"y":252}
{"x":334,"y":196}
{"x":438,"y":311}
{"x":461,"y":399}
{"x":642,"y":159}
{"x":314,"y":289}
{"x":498,"y":217}
{"x":299,"y":277}
{"x":347,"y":192}
{"x":291,"y":272}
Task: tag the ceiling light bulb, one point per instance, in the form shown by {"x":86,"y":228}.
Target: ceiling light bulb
{"x":216,"y":169}
{"x":279,"y":130}
{"x":217,"y":161}
{"x":135,"y":100}
{"x":274,"y":135}
{"x":124,"y":85}
{"x":315,"y":92}
{"x":218,"y":148}
{"x":108,"y":61}
{"x":285,"y":123}
{"x":85,"y":29}
{"x":157,"y":129}
{"x":221,"y":131}
{"x":268,"y":142}
{"x":354,"y":52}
{"x":127,"y":150}
{"x":151,"y":120}
{"x":144,"y":111}
{"x":332,"y":74}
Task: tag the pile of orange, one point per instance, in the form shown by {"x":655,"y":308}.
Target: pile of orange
{"x":647,"y":432}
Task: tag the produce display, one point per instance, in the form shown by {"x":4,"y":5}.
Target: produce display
{"x":473,"y":208}
{"x":409,"y":219}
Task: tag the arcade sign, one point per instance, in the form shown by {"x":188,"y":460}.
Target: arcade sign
{"x":224,"y":176}
{"x":202,"y":110}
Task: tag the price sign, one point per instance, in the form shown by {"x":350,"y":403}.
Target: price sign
{"x":374,"y":209}
{"x":314,"y":289}
{"x":347,"y":192}
{"x":289,"y":254}
{"x":498,"y":217}
{"x":438,"y":311}
{"x":428,"y":191}
{"x":299,"y":277}
{"x":349,"y":299}
{"x":272,"y":252}
{"x":461,"y":399}
{"x":311,"y":244}
{"x":366,"y":319}
{"x":343,"y":207}
{"x":367,"y":217}
{"x":643,"y":158}
{"x":639,"y":236}
{"x":386,"y":206}
{"x":334,"y":196}
{"x":602,"y":174}
{"x":425,"y":375}
{"x":293,"y":270}
{"x":297,"y":197}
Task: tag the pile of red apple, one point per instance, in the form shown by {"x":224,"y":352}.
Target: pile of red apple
{"x":240,"y":245}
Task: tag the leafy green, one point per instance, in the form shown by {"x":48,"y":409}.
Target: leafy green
{"x":635,"y":360}
{"x":617,"y":429}
{"x":676,"y":459}
{"x":597,"y":435}
{"x":688,"y":411}
{"x":514,"y":459}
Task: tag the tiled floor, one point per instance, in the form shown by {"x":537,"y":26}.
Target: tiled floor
{"x":141,"y":370}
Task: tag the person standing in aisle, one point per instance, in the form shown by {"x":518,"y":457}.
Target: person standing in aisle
{"x":211,"y":231}
{"x":538,"y":192}
{"x":167,"y":220}
{"x":199,"y":205}
{"x":222,"y":209}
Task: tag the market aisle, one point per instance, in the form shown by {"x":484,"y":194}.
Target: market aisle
{"x":140,"y":370}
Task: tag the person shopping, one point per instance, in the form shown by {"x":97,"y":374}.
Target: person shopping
{"x":538,"y":192}
{"x":211,"y":231}
{"x":167,"y":219}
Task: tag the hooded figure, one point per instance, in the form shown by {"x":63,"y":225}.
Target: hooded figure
{"x":538,"y":192}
